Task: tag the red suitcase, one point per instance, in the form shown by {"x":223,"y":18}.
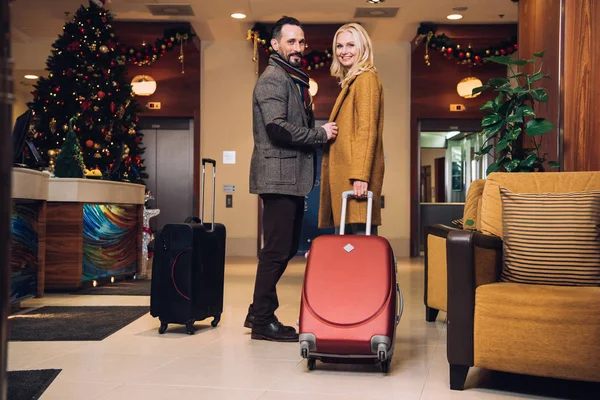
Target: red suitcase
{"x":351,"y":302}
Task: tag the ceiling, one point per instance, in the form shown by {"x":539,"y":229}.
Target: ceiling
{"x":37,"y":23}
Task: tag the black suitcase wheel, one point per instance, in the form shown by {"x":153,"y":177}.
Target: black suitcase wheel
{"x":312,"y":362}
{"x":385,"y":366}
{"x":189,"y":327}
{"x":216,"y":321}
{"x":163,"y":328}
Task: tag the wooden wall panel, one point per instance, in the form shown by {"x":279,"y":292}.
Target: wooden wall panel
{"x":540,"y":29}
{"x":64,"y":245}
{"x":582,"y":86}
{"x":178,"y":93}
{"x":433,"y":89}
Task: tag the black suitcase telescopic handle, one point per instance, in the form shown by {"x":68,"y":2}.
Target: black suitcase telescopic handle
{"x":214,"y":164}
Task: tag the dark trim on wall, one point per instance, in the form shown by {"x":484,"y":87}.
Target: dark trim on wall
{"x":6,"y":101}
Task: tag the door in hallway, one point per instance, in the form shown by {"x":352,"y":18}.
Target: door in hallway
{"x":169,"y":159}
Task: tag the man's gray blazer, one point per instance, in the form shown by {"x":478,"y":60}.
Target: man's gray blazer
{"x":283,"y":159}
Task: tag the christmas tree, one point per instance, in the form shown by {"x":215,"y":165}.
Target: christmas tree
{"x":86,"y":79}
{"x":69,"y":163}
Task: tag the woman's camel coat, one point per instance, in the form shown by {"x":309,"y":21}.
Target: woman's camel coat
{"x":356,"y":153}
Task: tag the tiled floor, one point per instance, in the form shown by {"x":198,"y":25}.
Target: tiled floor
{"x":224,"y":363}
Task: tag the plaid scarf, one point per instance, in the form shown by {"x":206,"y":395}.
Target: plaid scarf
{"x":300,"y":78}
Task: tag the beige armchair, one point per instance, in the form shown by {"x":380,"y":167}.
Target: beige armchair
{"x":498,"y":321}
{"x":435,"y":252}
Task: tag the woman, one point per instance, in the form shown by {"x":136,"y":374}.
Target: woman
{"x":354,"y":161}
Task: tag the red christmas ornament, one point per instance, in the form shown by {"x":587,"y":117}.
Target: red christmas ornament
{"x":516,"y":46}
{"x":112,"y":108}
{"x":503,"y":52}
{"x":147,"y":58}
{"x":103,"y":130}
{"x":449,"y":51}
{"x":101,"y":94}
{"x":154,"y":49}
{"x":89,"y":143}
{"x":85,"y":105}
{"x":113,"y":64}
{"x":138,"y":54}
{"x":164,"y":51}
{"x":89,"y":21}
{"x":138,"y":139}
{"x":477,"y":59}
{"x":86,"y":77}
{"x":137,"y":119}
{"x":82,"y":30}
{"x":170,"y":44}
{"x":104,"y":20}
{"x":78,"y":129}
{"x":317,"y":59}
{"x":461,"y":54}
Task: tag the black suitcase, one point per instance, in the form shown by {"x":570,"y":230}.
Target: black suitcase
{"x":188,"y":269}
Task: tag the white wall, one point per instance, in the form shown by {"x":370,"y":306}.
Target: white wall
{"x":228,"y":78}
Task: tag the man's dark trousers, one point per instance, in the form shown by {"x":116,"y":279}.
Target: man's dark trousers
{"x":282,"y":226}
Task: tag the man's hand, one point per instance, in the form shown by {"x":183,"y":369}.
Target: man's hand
{"x":332,"y":131}
{"x":360,"y":188}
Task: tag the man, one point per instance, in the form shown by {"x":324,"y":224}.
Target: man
{"x":282,"y":170}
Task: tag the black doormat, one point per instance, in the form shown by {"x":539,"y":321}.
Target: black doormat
{"x":29,"y":385}
{"x":136,"y":287}
{"x":71,"y":323}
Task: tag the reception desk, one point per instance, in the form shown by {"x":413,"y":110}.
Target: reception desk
{"x":29,"y":193}
{"x":94,"y":231}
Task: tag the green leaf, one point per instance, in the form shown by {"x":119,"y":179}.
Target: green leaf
{"x":540,"y":95}
{"x":529,"y":161}
{"x":553,"y":164}
{"x":502,"y":144}
{"x":511,"y":165}
{"x":518,"y":75}
{"x":525,"y":111}
{"x":499,"y":98}
{"x":491,"y":119}
{"x":514,"y":134}
{"x":518,"y":62}
{"x":485,"y":150}
{"x":480,"y":89}
{"x":498,"y":81}
{"x":540,"y":54}
{"x":469,"y":222}
{"x":514,"y":118}
{"x":490,"y":130}
{"x":538,"y":126}
{"x":536,"y":77}
{"x":504,"y":60}
{"x":495,"y":166}
{"x":490,"y":105}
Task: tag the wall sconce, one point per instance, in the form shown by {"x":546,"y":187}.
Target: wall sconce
{"x":313,"y":87}
{"x":466,"y":86}
{"x":143,"y":85}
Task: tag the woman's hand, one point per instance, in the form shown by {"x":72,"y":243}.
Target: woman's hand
{"x":360,"y":188}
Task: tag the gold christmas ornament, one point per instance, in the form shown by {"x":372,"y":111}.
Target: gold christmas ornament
{"x":93,"y":47}
{"x":53,"y":125}
{"x":131,"y":131}
{"x":97,"y":155}
{"x":103,"y":49}
{"x":51,"y":153}
{"x":96,"y":146}
{"x":65,"y":127}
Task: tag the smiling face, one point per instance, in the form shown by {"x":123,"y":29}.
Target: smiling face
{"x":290,"y":46}
{"x":346,"y":49}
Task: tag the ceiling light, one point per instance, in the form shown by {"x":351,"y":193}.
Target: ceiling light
{"x":143,"y":85}
{"x":31,"y":77}
{"x":375,"y":1}
{"x":454,"y":16}
{"x":465,"y":87}
{"x":238,"y":15}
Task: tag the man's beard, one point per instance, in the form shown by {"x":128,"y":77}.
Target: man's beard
{"x":296,"y":64}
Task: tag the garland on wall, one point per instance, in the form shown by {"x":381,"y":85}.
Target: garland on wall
{"x":261,"y":40}
{"x":461,"y":54}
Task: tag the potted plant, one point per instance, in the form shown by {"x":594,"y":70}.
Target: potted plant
{"x":511,"y":118}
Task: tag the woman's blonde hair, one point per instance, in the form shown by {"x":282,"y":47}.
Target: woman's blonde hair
{"x":364,"y":54}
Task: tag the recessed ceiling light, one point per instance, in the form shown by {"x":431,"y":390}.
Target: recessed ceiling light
{"x":375,"y":1}
{"x":238,"y":15}
{"x":31,"y":77}
{"x":454,"y":16}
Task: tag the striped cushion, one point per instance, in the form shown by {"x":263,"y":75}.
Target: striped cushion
{"x":551,"y":238}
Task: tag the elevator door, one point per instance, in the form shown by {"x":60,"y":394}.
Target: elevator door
{"x":169,"y":158}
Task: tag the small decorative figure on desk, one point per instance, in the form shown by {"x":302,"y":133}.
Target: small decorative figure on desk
{"x":147,"y":235}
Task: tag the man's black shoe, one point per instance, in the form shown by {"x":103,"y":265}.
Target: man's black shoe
{"x":275,"y":332}
{"x":249,"y":322}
